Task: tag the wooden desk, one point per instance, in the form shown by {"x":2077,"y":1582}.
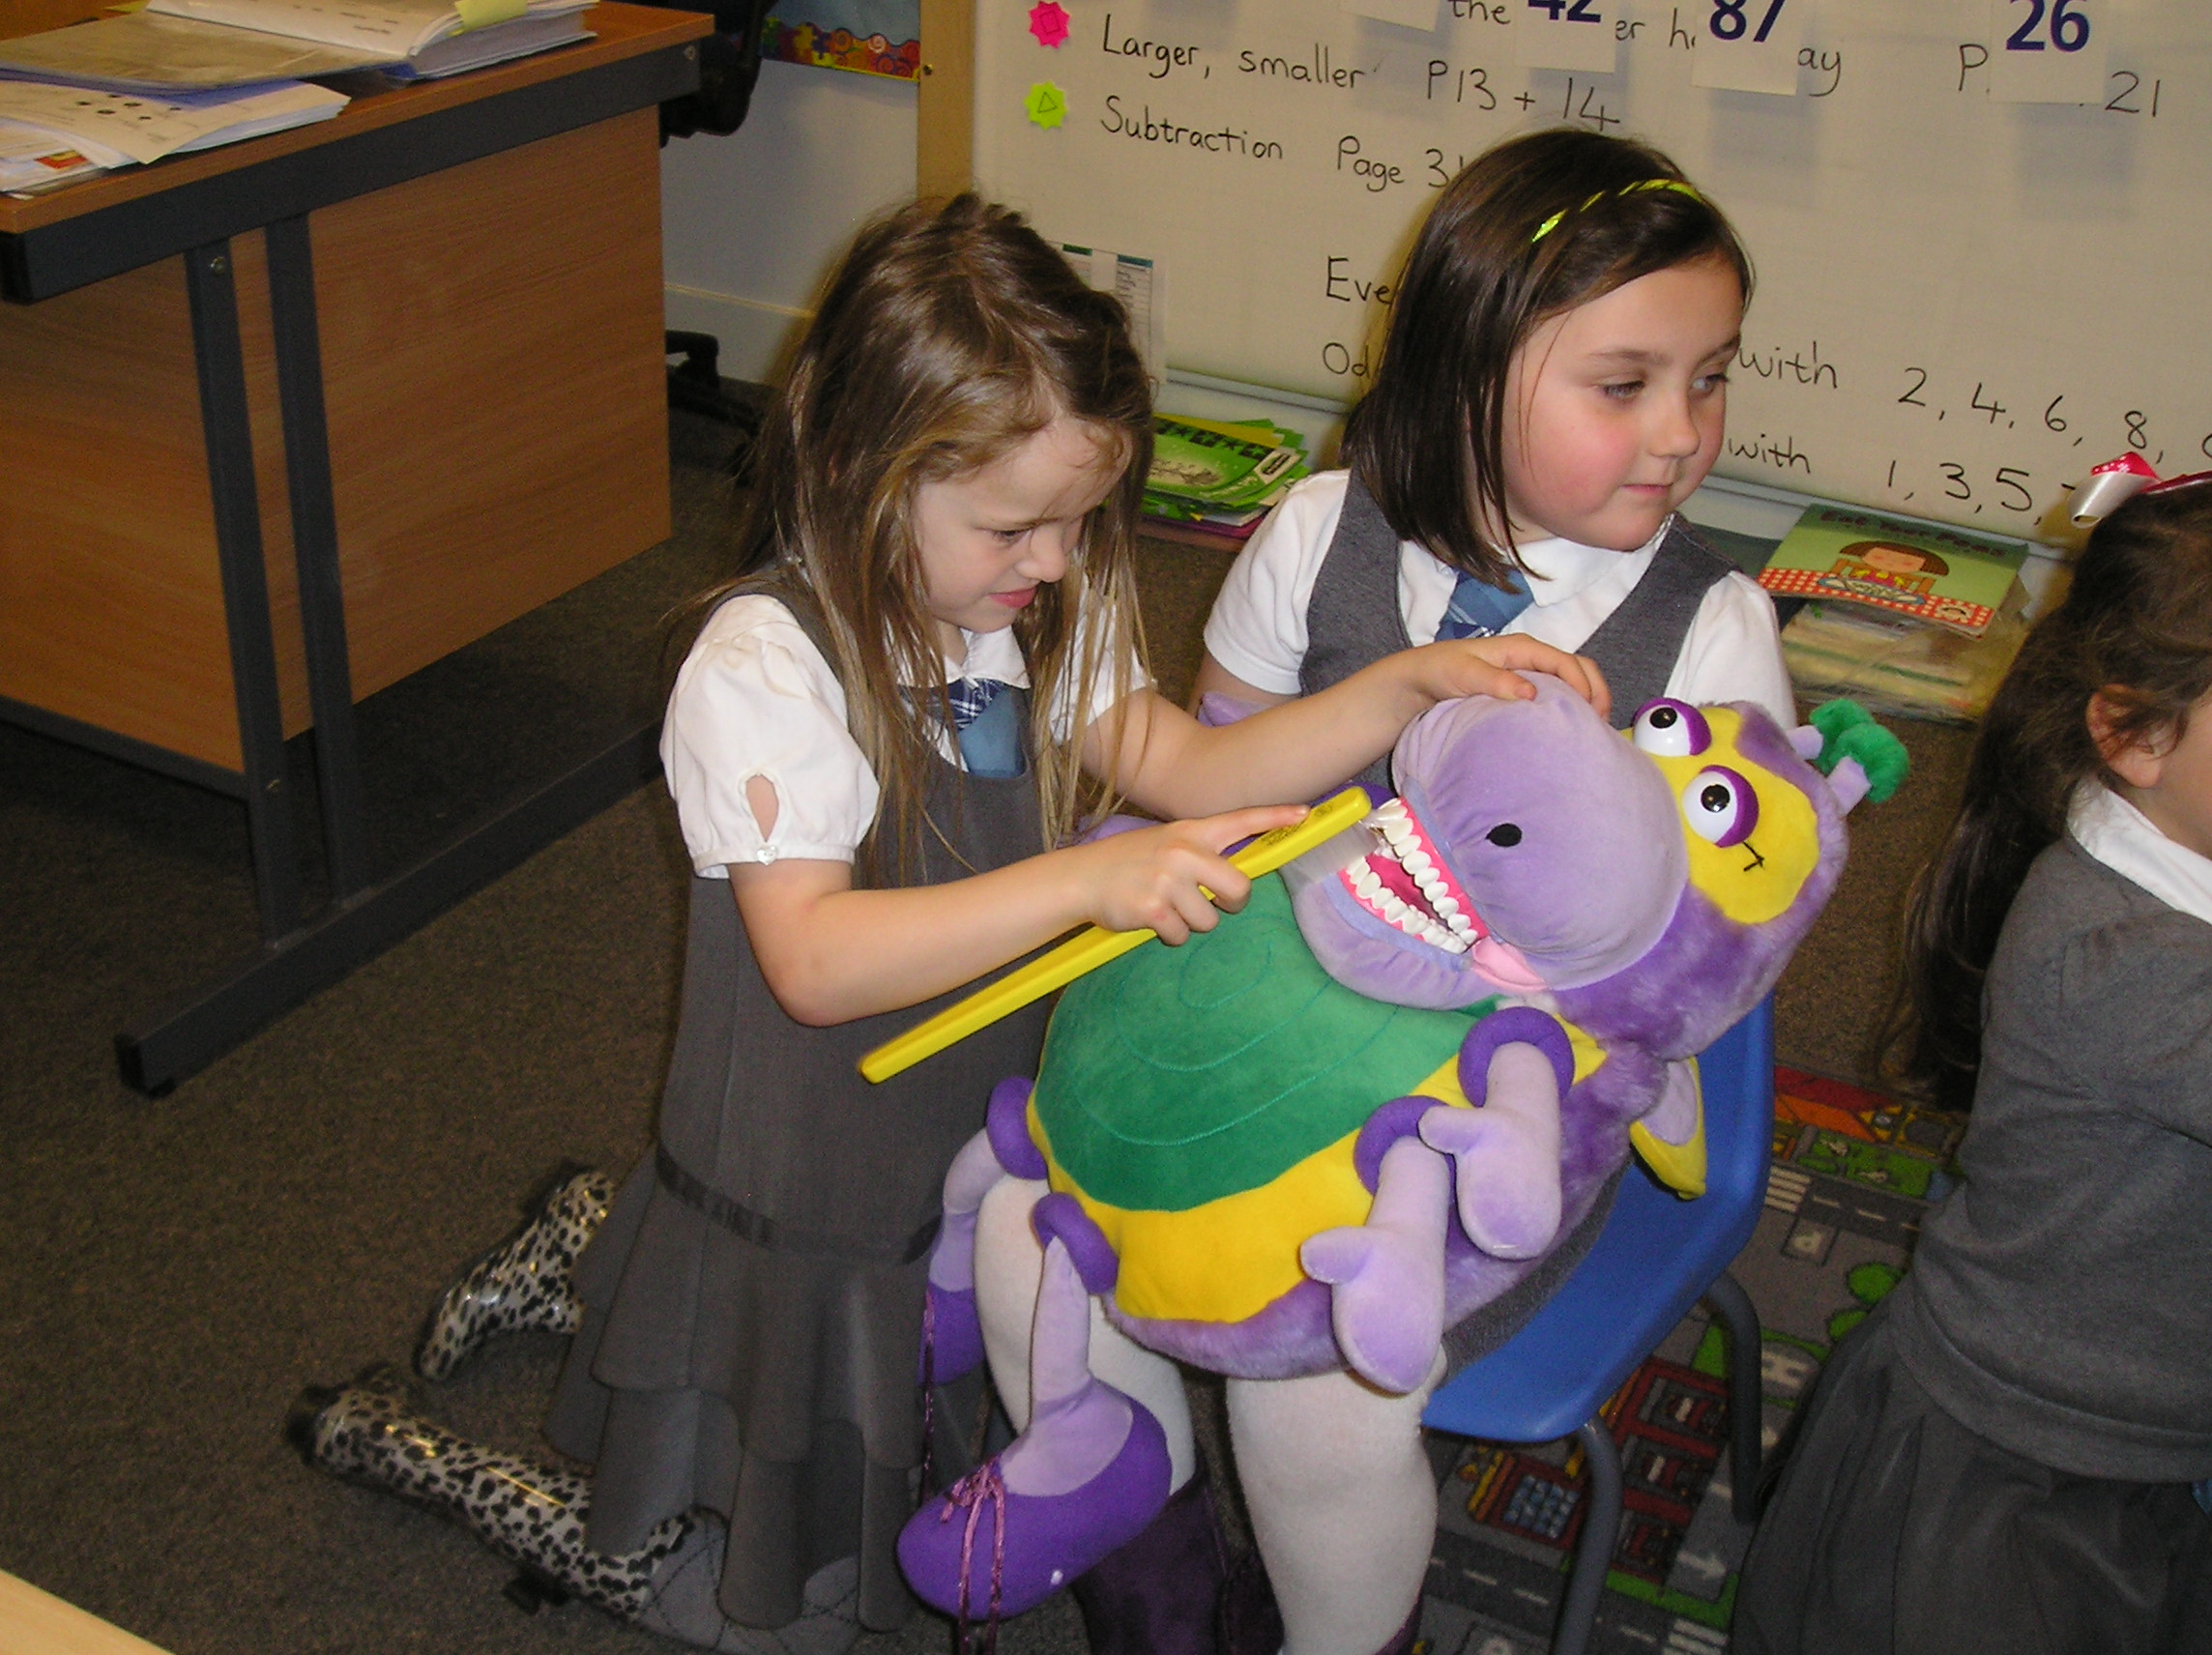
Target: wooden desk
{"x":283,"y":422}
{"x":33,"y":1622}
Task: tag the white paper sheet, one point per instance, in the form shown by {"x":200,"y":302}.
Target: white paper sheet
{"x":145,"y":129}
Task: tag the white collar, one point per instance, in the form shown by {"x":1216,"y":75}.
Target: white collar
{"x":995,"y":655}
{"x":2125,"y":840}
{"x":1560,"y":568}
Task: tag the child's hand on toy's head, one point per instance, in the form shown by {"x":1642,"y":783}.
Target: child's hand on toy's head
{"x":1149,"y":879}
{"x":1492,"y":666}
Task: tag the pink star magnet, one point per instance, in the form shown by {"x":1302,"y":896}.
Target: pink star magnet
{"x":1048,"y":22}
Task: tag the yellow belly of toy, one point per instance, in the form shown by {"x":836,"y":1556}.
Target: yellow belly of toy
{"x":1228,"y":1259}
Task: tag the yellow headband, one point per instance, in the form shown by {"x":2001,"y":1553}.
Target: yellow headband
{"x":1553,"y":222}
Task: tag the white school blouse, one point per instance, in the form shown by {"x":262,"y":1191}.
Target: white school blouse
{"x":756,"y":698}
{"x":1258,"y":629}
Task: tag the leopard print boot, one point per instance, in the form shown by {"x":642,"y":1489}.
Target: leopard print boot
{"x":535,"y":1516}
{"x":531,"y":1514}
{"x":521,"y":1282}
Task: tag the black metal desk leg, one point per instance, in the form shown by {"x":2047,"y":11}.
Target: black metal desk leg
{"x":212,"y":287}
{"x":315,"y":547}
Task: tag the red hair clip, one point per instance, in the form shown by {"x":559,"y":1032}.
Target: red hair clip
{"x":2116,"y":481}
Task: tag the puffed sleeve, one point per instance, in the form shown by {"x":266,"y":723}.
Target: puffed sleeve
{"x":755,"y":698}
{"x":1258,"y":627}
{"x":1733,"y":652}
{"x":1066,"y":722}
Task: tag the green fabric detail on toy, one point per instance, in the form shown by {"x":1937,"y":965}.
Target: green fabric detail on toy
{"x":1174,"y":1077}
{"x":1848,"y":730}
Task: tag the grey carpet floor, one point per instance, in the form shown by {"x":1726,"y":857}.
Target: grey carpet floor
{"x":172,"y":1271}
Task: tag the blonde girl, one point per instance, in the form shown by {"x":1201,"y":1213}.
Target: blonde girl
{"x":930,"y":677}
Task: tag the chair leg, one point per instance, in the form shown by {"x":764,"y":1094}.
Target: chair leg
{"x":1601,"y":1528}
{"x":1746,"y":1395}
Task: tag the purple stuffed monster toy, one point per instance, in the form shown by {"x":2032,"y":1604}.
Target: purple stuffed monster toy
{"x":1378,"y":1113}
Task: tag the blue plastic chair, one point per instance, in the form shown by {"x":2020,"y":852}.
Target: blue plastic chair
{"x":1657,"y":1255}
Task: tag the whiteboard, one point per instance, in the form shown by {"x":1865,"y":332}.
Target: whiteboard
{"x":1963,"y":303}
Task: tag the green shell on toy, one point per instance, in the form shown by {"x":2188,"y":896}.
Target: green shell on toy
{"x":1176,"y":1076}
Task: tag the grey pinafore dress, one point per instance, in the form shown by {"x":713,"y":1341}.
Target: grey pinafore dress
{"x":1353,"y":621}
{"x":753,"y":1303}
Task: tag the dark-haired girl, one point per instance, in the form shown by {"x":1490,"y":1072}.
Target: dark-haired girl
{"x":1552,"y":387}
{"x":2001,"y":1457}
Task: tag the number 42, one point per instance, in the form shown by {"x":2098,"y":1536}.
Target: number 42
{"x":1578,"y":12}
{"x":1728,"y":21}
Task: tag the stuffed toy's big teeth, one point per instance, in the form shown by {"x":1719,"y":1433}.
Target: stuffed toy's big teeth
{"x":1405,"y":884}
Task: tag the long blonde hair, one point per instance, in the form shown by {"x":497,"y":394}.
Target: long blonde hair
{"x":949,"y":335}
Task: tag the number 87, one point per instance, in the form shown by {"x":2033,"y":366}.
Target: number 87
{"x":1728,"y":21}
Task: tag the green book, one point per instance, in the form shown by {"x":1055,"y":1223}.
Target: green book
{"x":1948,"y":577}
{"x":1206,"y":469}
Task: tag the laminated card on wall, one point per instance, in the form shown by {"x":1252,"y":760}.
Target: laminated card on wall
{"x":1141,"y":286}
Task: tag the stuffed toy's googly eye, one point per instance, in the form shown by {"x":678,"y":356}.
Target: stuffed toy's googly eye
{"x":1720,"y":806}
{"x":1672,"y":729}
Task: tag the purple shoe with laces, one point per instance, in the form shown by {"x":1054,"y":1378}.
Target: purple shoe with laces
{"x":1088,"y":1474}
{"x":981,"y":1552}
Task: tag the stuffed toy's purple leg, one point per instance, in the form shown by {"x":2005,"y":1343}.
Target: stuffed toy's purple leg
{"x":952,"y":1336}
{"x":1089,"y":1474}
{"x":1515,"y":1067}
{"x":1388,"y":1275}
{"x":1387,"y":1306}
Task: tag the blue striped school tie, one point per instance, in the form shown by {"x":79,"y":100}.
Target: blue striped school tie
{"x":1479,"y":610}
{"x":988,"y":727}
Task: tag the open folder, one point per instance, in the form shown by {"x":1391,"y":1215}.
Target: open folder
{"x":422,"y":37}
{"x":186,"y":45}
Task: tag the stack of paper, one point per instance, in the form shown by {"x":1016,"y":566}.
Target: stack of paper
{"x":1897,"y":666}
{"x":40,"y":124}
{"x":1214,"y":482}
{"x":32,"y":162}
{"x":1911,"y":618}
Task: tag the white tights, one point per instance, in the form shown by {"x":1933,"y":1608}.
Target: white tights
{"x":1343,"y":1503}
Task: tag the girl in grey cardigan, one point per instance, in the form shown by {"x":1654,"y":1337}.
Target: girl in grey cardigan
{"x":2002,"y":1458}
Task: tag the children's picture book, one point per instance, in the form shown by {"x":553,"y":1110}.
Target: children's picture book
{"x":1949,"y":577}
{"x":1896,"y":666}
{"x":1220,"y":473}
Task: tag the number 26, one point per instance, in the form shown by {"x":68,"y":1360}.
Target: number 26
{"x":2069,"y":30}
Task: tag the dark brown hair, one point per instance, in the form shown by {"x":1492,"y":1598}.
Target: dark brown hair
{"x":948,"y":336}
{"x":1930,"y":562}
{"x":1427,"y":438}
{"x":2136,"y":627}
